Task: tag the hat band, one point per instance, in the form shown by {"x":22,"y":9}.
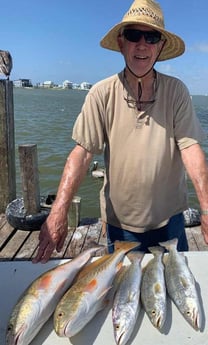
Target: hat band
{"x":142,"y":11}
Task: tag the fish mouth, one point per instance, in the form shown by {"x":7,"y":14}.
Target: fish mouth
{"x":120,"y":339}
{"x":159,"y":322}
{"x":197,"y":321}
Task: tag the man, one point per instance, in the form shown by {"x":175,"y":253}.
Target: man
{"x":145,"y":123}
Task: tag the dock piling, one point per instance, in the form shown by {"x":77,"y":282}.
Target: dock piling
{"x":7,"y":145}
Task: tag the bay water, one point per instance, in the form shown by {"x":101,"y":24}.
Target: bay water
{"x":45,"y":117}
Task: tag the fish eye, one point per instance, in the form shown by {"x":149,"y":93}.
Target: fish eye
{"x":117,"y":326}
{"x":153,"y":312}
{"x":188,"y":313}
{"x":61,"y":314}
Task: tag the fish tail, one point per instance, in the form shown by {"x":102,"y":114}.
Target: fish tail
{"x":169,"y":244}
{"x":135,"y":256}
{"x":156,"y":250}
{"x":125,"y":245}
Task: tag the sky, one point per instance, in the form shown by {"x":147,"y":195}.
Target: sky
{"x":60,"y":40}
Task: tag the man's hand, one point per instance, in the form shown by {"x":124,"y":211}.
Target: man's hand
{"x":52,"y":236}
{"x":204,"y":227}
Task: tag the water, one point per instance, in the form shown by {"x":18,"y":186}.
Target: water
{"x":46,"y":118}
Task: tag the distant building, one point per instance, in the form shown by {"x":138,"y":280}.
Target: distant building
{"x":85,"y":86}
{"x":47,"y":84}
{"x":75,"y":86}
{"x":22,"y":83}
{"x":67,"y":84}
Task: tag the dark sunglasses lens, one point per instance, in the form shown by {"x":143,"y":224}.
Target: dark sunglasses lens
{"x":133,"y":35}
{"x":152,"y":37}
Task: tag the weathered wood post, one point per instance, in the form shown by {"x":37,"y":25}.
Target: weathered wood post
{"x":74,"y":212}
{"x":30,"y":178}
{"x":7,"y":145}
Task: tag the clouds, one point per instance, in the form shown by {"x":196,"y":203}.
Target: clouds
{"x":199,"y":47}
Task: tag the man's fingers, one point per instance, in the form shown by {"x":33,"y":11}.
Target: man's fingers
{"x":61,"y":242}
{"x":44,"y":251}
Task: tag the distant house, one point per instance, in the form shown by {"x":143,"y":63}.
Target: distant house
{"x":48,"y":84}
{"x":22,"y":83}
{"x":85,"y":86}
{"x":67,"y":84}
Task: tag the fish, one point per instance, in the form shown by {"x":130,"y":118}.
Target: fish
{"x":88,"y":295}
{"x":39,"y":300}
{"x":181,"y":285}
{"x":153,"y":288}
{"x":126,"y":300}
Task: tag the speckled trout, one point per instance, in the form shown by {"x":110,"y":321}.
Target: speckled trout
{"x":126,"y":301}
{"x":181,"y":285}
{"x":153,"y":288}
{"x":88,"y":294}
{"x":40,"y":299}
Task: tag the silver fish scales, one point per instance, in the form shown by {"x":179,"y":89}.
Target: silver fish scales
{"x":181,"y":285}
{"x":88,"y":294}
{"x":126,"y":302}
{"x":153,"y":288}
{"x":39,"y":300}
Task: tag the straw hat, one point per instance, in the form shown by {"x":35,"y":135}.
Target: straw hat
{"x":146,"y":12}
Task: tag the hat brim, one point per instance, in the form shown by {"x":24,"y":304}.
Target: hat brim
{"x":173,"y":47}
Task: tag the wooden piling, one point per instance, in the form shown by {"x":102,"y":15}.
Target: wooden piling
{"x":30,"y":178}
{"x":7,"y":145}
{"x":74,"y":212}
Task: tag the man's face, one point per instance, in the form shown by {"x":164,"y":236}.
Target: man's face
{"x":139,"y":56}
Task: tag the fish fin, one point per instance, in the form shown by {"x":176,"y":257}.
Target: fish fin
{"x":125,"y":245}
{"x":170,"y":244}
{"x":86,"y":269}
{"x":135,"y":256}
{"x":91,"y":285}
{"x":104,"y":292}
{"x":156,"y":249}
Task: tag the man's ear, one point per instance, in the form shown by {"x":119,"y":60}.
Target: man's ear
{"x":120,"y":43}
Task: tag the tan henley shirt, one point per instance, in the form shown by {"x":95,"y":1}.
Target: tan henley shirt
{"x":145,"y":179}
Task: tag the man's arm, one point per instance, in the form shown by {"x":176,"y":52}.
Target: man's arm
{"x":54,"y":230}
{"x":196,"y":166}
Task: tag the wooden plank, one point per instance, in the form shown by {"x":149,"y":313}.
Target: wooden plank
{"x":58,"y":255}
{"x":77,"y":241}
{"x":29,"y":246}
{"x":63,"y":253}
{"x":6,"y":232}
{"x":196,"y":232}
{"x":191,"y":240}
{"x":30,"y":178}
{"x":13,"y":246}
{"x":94,"y":236}
{"x":7,"y":145}
{"x":2,"y":220}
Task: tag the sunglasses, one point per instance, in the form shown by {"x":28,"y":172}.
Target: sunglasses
{"x":133,"y":35}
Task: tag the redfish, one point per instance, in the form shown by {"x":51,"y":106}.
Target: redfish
{"x":88,"y":295}
{"x":40,"y":299}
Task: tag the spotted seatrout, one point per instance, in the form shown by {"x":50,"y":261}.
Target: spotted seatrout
{"x":39,"y":300}
{"x":181,"y":285}
{"x":87,"y":295}
{"x":126,"y":302}
{"x":153,"y":289}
